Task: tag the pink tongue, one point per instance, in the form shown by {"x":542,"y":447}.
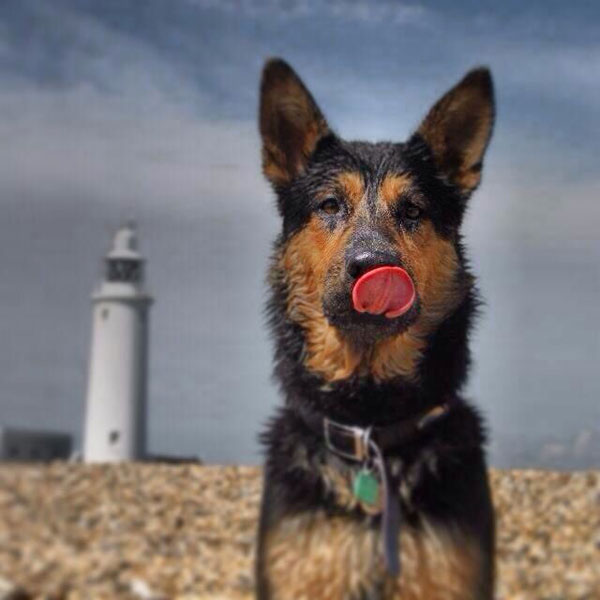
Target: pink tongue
{"x":384,"y":290}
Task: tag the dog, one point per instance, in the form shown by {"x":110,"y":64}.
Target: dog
{"x":375,"y":479}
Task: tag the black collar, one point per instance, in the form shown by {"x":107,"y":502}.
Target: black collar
{"x":351,"y":441}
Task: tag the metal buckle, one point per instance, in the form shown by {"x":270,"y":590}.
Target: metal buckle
{"x":357,"y":437}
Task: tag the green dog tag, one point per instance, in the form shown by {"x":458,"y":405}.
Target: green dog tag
{"x":365,"y":487}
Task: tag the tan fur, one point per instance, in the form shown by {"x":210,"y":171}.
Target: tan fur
{"x":392,"y":187}
{"x":352,"y":186}
{"x":312,"y":555}
{"x":399,"y":355}
{"x":304,"y":262}
{"x":434,"y":263}
{"x":273,"y":162}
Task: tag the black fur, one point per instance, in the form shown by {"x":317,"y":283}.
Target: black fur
{"x":444,"y":468}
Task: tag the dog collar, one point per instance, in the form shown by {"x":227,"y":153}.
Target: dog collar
{"x":352,"y":442}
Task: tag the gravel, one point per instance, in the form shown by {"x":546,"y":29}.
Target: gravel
{"x":157,"y":531}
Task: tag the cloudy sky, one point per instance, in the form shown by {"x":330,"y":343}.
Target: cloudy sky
{"x":114,"y":109}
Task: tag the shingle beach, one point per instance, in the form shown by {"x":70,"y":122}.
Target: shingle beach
{"x":162,"y":531}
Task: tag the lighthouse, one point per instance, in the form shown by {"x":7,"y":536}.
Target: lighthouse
{"x":115,"y":419}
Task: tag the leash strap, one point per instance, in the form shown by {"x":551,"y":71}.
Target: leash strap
{"x":390,"y":519}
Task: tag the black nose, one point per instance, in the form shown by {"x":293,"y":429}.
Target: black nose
{"x":365,"y":260}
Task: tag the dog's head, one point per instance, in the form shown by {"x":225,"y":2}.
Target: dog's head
{"x":370,"y":250}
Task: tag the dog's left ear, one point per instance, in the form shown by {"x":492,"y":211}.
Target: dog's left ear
{"x":458,"y":129}
{"x":291,"y":123}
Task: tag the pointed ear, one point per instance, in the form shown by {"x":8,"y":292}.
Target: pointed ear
{"x":291,"y":123}
{"x":458,"y":129}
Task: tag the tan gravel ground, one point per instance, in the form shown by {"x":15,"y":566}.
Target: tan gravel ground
{"x":70,"y":531}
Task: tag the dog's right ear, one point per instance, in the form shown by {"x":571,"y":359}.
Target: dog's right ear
{"x":458,"y":129}
{"x":291,"y":123}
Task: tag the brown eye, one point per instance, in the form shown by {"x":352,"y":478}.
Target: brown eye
{"x":412,"y":212}
{"x":330,"y":206}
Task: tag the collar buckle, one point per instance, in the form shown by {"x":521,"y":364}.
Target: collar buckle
{"x":348,"y":441}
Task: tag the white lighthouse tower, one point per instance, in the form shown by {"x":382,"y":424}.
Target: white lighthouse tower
{"x":115,"y":420}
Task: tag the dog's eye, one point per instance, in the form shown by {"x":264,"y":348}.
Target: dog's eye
{"x":412,"y":212}
{"x":330,"y":206}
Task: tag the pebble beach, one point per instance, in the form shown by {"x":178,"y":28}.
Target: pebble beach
{"x":185,"y":531}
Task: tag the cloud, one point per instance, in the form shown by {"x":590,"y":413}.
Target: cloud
{"x":131,"y":150}
{"x":134,"y":115}
{"x":118,"y":124}
{"x":390,"y":11}
{"x":580,"y":452}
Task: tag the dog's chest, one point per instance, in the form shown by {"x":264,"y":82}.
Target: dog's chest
{"x":313,"y":555}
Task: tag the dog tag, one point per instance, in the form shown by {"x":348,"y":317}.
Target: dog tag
{"x":366,"y":487}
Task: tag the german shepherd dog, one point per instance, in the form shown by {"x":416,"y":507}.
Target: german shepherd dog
{"x":375,"y":483}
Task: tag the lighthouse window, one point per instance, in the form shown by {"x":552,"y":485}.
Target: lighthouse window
{"x":113,"y":437}
{"x":123,"y":270}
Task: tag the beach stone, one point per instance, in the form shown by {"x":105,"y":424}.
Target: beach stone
{"x":143,"y":591}
{"x":11,"y":591}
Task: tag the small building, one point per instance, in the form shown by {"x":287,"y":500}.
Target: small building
{"x":29,"y":445}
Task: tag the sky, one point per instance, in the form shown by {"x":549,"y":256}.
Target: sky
{"x":114,"y":110}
